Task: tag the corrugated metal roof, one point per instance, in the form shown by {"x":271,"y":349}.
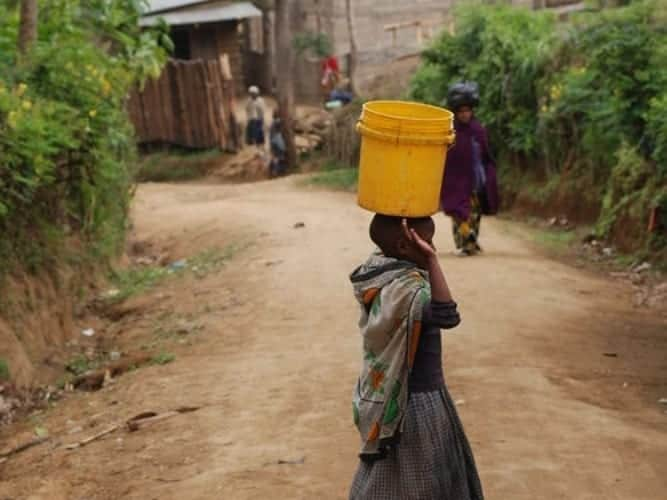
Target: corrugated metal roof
{"x":206,"y":13}
{"x":155,"y":6}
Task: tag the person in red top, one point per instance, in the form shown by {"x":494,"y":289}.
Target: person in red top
{"x":330,"y":74}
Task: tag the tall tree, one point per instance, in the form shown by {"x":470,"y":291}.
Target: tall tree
{"x":268,"y":39}
{"x":354,"y":51}
{"x":28,"y":26}
{"x":285,"y":83}
{"x":269,"y":55}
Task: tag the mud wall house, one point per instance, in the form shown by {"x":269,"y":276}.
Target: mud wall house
{"x":386,"y":30}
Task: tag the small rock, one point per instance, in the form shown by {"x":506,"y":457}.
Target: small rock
{"x":636,"y":278}
{"x":110,"y":294}
{"x":144,"y":261}
{"x":553,"y":221}
{"x":41,"y":432}
{"x":460,"y":402}
{"x":163,"y":259}
{"x":179,"y":264}
{"x":608,"y":251}
{"x":662,"y":401}
{"x":184,"y":328}
{"x":642,"y":268}
{"x":114,"y":355}
{"x":299,"y":225}
{"x":88,"y":332}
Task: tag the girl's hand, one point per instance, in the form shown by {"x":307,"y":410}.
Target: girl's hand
{"x":423,"y":247}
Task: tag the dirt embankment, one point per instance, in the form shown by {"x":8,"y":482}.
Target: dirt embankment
{"x":36,"y":321}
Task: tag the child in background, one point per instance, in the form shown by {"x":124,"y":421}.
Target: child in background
{"x":255,"y":115}
{"x":413,"y":443}
{"x":278,"y":162}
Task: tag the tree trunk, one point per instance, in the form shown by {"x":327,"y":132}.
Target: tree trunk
{"x":285,"y":77}
{"x":354,"y":52}
{"x":269,"y":54}
{"x":28,"y":26}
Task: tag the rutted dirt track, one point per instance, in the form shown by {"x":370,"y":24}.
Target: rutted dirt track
{"x":550,"y":416}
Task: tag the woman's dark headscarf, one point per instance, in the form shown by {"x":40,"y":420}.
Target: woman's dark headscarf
{"x":462,"y":94}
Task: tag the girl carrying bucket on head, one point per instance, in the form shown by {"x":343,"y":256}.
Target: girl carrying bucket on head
{"x":469,"y":188}
{"x":413,"y":445}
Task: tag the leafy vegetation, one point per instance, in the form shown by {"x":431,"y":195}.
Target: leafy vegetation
{"x":336,"y":176}
{"x":137,"y":279}
{"x":176,"y":167}
{"x":575,"y":111}
{"x":80,"y":364}
{"x":314,"y":44}
{"x":67,"y":150}
{"x":163,"y":358}
{"x":4,"y":370}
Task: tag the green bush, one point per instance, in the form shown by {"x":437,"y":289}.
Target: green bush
{"x":582,"y":102}
{"x":66,"y":145}
{"x":507,"y":51}
{"x":656,"y":120}
{"x":599,"y":96}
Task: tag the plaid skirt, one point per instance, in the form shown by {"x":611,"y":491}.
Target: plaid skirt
{"x":433,"y":460}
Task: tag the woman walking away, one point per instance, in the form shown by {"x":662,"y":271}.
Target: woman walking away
{"x":412,"y":442}
{"x":255,"y":115}
{"x":469,"y":187}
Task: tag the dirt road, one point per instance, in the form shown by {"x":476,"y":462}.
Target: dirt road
{"x":556,"y":375}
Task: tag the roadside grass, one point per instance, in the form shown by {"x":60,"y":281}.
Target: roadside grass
{"x":175,"y":166}
{"x":335,"y":176}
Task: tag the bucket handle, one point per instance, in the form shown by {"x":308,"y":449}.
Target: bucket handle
{"x":363,"y":129}
{"x":453,"y":143}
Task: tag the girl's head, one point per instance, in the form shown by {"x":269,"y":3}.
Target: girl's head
{"x":388,"y":234}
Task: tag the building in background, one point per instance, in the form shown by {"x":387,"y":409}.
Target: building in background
{"x":386,"y":30}
{"x":211,"y":29}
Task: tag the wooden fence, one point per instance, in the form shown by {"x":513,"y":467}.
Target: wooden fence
{"x":190,"y":105}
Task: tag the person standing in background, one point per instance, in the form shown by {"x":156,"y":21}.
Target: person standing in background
{"x":330,"y":75}
{"x":255,"y":109}
{"x":469,"y":187}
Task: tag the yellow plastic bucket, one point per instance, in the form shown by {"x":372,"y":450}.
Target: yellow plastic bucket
{"x":403,"y":151}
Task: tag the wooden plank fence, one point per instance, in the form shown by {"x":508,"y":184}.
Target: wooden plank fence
{"x":189,"y":105}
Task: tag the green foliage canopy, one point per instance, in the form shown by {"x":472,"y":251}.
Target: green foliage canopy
{"x":66,"y":145}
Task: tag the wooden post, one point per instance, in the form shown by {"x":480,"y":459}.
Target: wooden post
{"x":286,"y":82}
